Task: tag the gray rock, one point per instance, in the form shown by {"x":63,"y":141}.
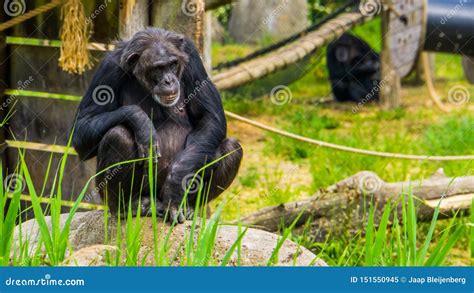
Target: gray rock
{"x":94,"y":255}
{"x":252,"y":21}
{"x":87,"y":231}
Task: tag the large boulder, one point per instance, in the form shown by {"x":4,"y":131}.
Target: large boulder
{"x":87,"y":242}
{"x":251,"y":21}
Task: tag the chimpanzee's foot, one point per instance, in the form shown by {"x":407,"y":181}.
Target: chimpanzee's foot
{"x":138,"y":205}
{"x":174,"y":214}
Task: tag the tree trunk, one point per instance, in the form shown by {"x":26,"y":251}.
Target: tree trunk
{"x":185,"y":17}
{"x":348,"y":200}
{"x":133,"y":17}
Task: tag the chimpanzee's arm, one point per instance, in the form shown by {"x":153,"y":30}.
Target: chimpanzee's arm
{"x":209,"y":127}
{"x":100,"y":110}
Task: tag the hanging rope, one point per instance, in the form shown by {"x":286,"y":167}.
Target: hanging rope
{"x":346,"y":148}
{"x":30,"y":14}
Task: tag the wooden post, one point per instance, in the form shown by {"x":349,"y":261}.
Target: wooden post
{"x":207,"y":41}
{"x":133,"y":17}
{"x":390,"y":81}
{"x":184,"y":16}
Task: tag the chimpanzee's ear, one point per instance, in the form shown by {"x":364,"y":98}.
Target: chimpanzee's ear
{"x":129,"y":59}
{"x":178,"y":41}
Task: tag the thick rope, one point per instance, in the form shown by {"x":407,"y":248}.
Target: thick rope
{"x":29,"y":14}
{"x":286,"y":41}
{"x":346,"y":148}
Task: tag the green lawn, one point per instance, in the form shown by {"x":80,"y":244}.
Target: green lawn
{"x":278,"y":169}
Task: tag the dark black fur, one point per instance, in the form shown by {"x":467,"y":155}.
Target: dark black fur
{"x":354,"y":69}
{"x":187,"y":135}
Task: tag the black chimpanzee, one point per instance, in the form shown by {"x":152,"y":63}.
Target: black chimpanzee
{"x":153,"y":91}
{"x":354,"y":69}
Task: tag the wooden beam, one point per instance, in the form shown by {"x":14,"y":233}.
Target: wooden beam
{"x":54,"y":43}
{"x":36,"y":146}
{"x":64,"y":203}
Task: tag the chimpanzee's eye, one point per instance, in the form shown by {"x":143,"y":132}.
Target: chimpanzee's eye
{"x":174,"y":66}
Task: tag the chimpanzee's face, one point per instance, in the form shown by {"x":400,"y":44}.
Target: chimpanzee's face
{"x":159,"y":70}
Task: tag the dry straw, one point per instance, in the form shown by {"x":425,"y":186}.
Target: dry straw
{"x":75,"y":33}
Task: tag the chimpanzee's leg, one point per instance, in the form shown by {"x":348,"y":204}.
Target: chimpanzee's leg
{"x":219,"y":176}
{"x":115,"y":185}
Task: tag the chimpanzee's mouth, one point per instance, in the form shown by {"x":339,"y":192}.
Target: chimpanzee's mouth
{"x":167,"y":100}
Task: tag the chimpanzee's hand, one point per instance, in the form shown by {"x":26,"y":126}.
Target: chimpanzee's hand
{"x":143,"y":140}
{"x":140,"y":123}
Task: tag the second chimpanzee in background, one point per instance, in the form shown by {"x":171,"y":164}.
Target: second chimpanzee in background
{"x":153,"y":93}
{"x":354,"y":69}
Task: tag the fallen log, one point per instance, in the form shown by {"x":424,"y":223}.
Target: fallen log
{"x":347,"y":200}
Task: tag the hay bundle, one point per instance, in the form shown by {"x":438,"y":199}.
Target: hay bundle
{"x":75,"y":33}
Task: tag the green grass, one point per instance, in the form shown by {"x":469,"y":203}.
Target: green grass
{"x":394,"y":238}
{"x":53,"y":245}
{"x":415,"y":128}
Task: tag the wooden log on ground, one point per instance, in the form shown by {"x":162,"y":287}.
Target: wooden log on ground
{"x":349,"y":198}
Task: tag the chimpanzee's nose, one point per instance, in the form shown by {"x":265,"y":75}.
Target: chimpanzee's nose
{"x":168,"y":80}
